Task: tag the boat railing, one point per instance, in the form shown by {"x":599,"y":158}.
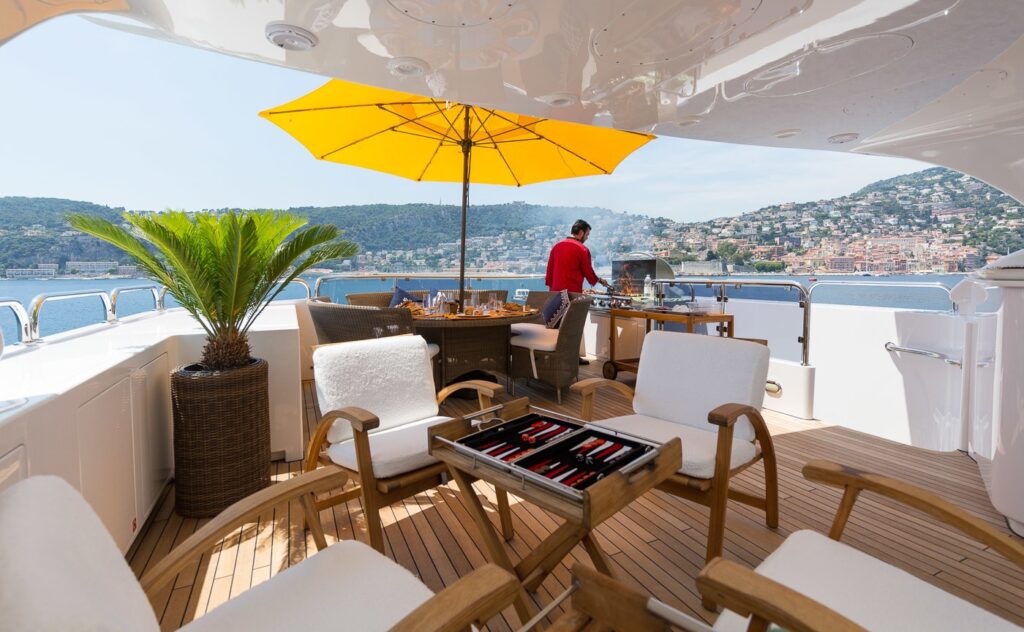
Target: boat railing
{"x":20,"y":315}
{"x":722,"y":296}
{"x":157,"y":292}
{"x":29,"y":320}
{"x":395,"y":277}
{"x":805,"y":295}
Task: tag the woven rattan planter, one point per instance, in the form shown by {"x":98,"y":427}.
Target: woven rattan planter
{"x":221,"y":436}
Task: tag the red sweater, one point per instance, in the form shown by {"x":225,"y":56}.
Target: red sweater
{"x":568,"y":265}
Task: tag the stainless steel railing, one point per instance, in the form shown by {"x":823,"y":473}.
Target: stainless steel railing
{"x":20,"y":315}
{"x":28,"y":321}
{"x":892,"y":347}
{"x":723,"y":297}
{"x":37,"y":305}
{"x":157,"y":292}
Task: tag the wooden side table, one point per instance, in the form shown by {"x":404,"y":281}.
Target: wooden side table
{"x":611,"y":368}
{"x":581,"y":510}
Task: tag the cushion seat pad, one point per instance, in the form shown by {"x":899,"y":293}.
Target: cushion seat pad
{"x":534,"y":336}
{"x":699,"y":446}
{"x":363,"y":589}
{"x":869,"y":592}
{"x":394,"y":451}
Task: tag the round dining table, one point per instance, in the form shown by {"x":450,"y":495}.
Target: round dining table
{"x":471,"y":343}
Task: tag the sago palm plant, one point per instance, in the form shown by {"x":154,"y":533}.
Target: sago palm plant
{"x":223,"y":268}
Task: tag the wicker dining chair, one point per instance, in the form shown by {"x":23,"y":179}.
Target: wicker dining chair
{"x":379,"y":299}
{"x":551,"y":356}
{"x":344,"y":323}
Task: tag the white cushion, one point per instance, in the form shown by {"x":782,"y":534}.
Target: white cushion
{"x":699,"y":446}
{"x":59,"y":567}
{"x":394,"y":451}
{"x":390,"y":377}
{"x":683,"y":377}
{"x":534,"y":336}
{"x":347,"y":586}
{"x":869,"y":592}
{"x":433,"y":349}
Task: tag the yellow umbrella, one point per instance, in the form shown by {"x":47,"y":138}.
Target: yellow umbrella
{"x":422,"y":138}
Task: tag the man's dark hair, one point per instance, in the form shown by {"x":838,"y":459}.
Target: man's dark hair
{"x":579,"y":226}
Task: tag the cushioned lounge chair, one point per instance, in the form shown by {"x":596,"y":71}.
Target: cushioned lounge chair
{"x":811,"y":582}
{"x":376,"y":399}
{"x":708,"y":392}
{"x":61,"y":571}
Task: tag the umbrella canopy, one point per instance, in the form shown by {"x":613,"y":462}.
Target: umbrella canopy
{"x":421,"y":138}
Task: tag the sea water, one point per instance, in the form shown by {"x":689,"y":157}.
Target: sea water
{"x":62,"y":315}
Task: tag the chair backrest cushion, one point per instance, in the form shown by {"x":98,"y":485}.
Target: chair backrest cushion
{"x":555,"y":309}
{"x":390,"y":377}
{"x":400,"y":296}
{"x":59,"y":567}
{"x":683,"y":377}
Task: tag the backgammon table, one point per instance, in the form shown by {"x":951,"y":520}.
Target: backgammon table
{"x":580,"y":472}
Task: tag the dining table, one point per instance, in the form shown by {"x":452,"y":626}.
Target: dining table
{"x":471,"y":343}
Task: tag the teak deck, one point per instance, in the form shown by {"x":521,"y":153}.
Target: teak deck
{"x":656,"y":544}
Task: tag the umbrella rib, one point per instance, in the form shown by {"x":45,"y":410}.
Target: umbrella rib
{"x":498,"y":149}
{"x":377,"y":133}
{"x":348,"y":107}
{"x":440,"y":143}
{"x":415,"y":121}
{"x":556,"y":144}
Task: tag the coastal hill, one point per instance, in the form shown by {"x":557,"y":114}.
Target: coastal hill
{"x":931,"y":220}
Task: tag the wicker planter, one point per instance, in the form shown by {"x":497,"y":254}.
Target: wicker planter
{"x":221,"y":436}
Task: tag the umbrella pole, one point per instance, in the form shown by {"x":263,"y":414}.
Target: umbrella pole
{"x":467,"y":146}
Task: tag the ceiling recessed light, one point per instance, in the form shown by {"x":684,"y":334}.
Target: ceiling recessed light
{"x":290,"y":37}
{"x":788,"y":132}
{"x":686,"y":121}
{"x":408,"y":67}
{"x":846,"y":137}
{"x":559,"y":99}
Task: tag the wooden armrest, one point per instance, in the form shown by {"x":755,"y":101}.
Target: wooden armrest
{"x":483,"y":387}
{"x":245,"y":510}
{"x":590,"y":385}
{"x":474,"y":598}
{"x":748,"y":594}
{"x":854,"y":480}
{"x":729,"y":414}
{"x":362,"y":422}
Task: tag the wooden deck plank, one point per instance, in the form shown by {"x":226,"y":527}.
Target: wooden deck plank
{"x":656,"y":544}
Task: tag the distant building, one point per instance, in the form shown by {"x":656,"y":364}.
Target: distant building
{"x":840,"y":264}
{"x":91,"y":267}
{"x":48,"y":266}
{"x":30,"y":273}
{"x":127,"y":270}
{"x":703,"y":268}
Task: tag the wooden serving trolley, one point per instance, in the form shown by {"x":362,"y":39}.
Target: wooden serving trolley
{"x":580,"y":472}
{"x":612,"y":367}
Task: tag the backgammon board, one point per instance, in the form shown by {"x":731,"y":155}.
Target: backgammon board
{"x":582,"y":473}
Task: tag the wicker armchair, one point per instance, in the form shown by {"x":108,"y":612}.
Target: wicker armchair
{"x":379,"y":299}
{"x":346,"y":323}
{"x":551,"y":355}
{"x":383,"y":299}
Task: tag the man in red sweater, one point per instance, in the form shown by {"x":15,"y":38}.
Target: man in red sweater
{"x":569,"y":262}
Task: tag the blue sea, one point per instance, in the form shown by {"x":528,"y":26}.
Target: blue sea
{"x":62,"y":315}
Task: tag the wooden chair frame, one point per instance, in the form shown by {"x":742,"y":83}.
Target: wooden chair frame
{"x":714,"y":492}
{"x":474,"y":598}
{"x":378,"y":493}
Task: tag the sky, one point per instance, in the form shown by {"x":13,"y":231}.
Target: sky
{"x":88,"y":113}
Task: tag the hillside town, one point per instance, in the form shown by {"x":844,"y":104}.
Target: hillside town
{"x":932,"y":221}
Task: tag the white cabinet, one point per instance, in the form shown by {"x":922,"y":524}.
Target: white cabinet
{"x":629,"y":336}
{"x":106,"y":457}
{"x":152,"y":432}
